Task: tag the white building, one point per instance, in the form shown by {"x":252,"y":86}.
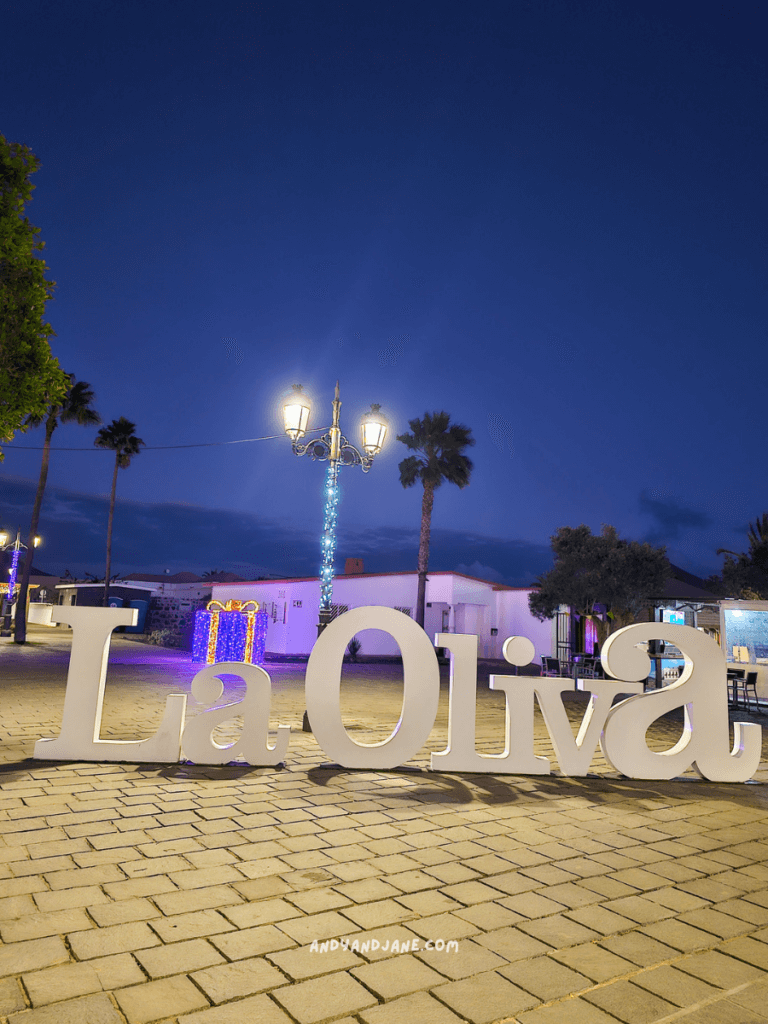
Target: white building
{"x":455,"y":603}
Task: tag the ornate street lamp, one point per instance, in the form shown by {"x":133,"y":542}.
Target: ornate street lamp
{"x":16,"y":547}
{"x":336,"y":450}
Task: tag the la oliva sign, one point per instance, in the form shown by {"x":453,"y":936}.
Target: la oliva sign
{"x":619,"y":729}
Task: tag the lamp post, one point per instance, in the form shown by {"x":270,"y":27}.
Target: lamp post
{"x":16,"y":547}
{"x":336,"y":450}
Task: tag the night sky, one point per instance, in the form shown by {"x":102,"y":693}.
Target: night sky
{"x":546,"y":218}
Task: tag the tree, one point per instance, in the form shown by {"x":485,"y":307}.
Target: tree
{"x":75,"y":407}
{"x":745,"y":574}
{"x":30,"y":378}
{"x":600,"y":575}
{"x":441,"y":446}
{"x":118,"y":437}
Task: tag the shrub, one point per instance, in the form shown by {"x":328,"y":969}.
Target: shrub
{"x":353,"y":648}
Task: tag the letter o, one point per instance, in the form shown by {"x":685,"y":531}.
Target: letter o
{"x":421,"y":689}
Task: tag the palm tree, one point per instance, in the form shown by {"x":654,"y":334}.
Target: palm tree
{"x":75,"y":407}
{"x":119,"y":437}
{"x":440,"y":445}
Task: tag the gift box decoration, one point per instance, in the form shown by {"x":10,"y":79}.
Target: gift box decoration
{"x":234,"y":631}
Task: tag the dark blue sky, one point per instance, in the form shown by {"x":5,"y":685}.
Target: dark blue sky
{"x":546,"y":218}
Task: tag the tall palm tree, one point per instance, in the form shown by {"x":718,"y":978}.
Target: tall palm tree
{"x":118,"y":437}
{"x":440,"y":445}
{"x":75,"y":407}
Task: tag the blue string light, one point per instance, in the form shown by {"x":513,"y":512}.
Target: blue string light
{"x":329,"y":534}
{"x":230,"y":640}
{"x":14,"y":572}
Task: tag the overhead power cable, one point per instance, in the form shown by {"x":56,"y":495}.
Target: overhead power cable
{"x":155,"y":447}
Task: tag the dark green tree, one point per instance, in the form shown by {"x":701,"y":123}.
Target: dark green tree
{"x":440,"y":445}
{"x":118,"y":437}
{"x":745,"y":574}
{"x":30,"y":378}
{"x":600,"y":576}
{"x":75,"y":407}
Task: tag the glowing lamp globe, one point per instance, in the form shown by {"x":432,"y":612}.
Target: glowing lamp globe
{"x":38,"y":541}
{"x":4,"y":537}
{"x":296,"y":409}
{"x":374,"y":430}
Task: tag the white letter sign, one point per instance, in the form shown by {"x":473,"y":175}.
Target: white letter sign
{"x":84,"y":697}
{"x":421,"y":689}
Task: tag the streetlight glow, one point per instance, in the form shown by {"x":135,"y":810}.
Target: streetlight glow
{"x":296,"y":410}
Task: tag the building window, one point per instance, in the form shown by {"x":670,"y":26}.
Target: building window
{"x":336,"y":610}
{"x":405,"y":611}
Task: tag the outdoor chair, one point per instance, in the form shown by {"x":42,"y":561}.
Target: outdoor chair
{"x":750,"y":691}
{"x":550,"y":666}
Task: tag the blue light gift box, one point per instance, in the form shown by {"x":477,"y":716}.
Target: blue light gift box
{"x":234,"y":631}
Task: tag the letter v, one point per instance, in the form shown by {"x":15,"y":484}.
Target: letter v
{"x":574,"y":755}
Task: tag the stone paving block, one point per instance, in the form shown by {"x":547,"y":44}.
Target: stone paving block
{"x":19,"y":957}
{"x":55,"y":984}
{"x":239,"y":979}
{"x":254,"y":1010}
{"x":413,"y":881}
{"x":513,"y":883}
{"x":367,"y":890}
{"x":532,"y":904}
{"x":717,"y":969}
{"x":263,"y":912}
{"x":157,"y":999}
{"x":675,"y":899}
{"x":711,"y":889}
{"x":428,"y":902}
{"x":675,"y":986}
{"x":322,"y":998}
{"x":83,"y":876}
{"x":629,"y":1003}
{"x":744,"y":911}
{"x":252,"y":942}
{"x":146,"y":866}
{"x":594,"y":962}
{"x":11,"y":997}
{"x":558,"y":930}
{"x":485,"y":998}
{"x":119,"y":938}
{"x":305,"y":962}
{"x":711,"y":920}
{"x":418,"y":1008}
{"x":117,"y":971}
{"x":574,"y":1011}
{"x":639,"y":909}
{"x":489,"y":916}
{"x":90,"y":1009}
{"x":470,"y":958}
{"x":571,"y":895}
{"x":397,"y":976}
{"x":328,"y":925}
{"x":178,"y":902}
{"x":136,"y":887}
{"x":191,"y":926}
{"x":512,"y":944}
{"x":377,"y":915}
{"x":641,"y":949}
{"x":610,"y":889}
{"x":178,"y":958}
{"x":545,"y":978}
{"x":725,"y":1011}
{"x":443,"y":926}
{"x":123,"y":912}
{"x":747,"y":949}
{"x":470,"y":893}
{"x":380,"y":943}
{"x":314,"y":901}
{"x":14,"y":907}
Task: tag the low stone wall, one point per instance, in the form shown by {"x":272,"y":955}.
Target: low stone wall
{"x":176,"y":614}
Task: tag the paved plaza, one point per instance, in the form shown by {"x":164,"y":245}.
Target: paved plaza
{"x":189,"y":894}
